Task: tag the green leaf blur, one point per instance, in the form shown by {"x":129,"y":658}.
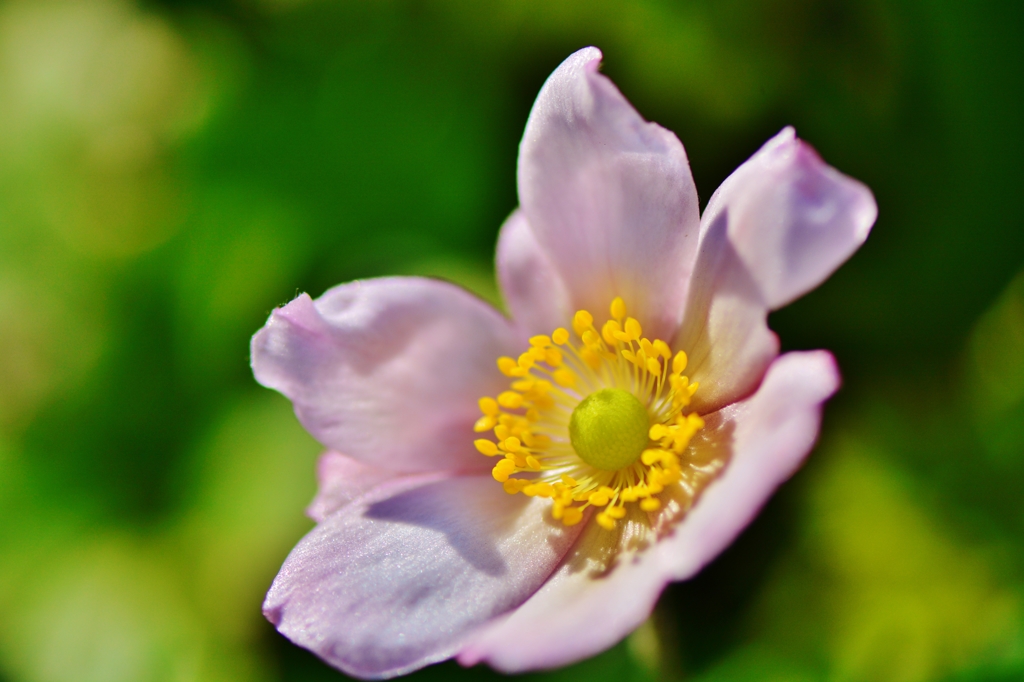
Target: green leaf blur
{"x":170,"y":171}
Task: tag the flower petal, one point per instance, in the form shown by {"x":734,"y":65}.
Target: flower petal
{"x":581,"y":611}
{"x":769,"y":435}
{"x":340,"y":480}
{"x":533,"y":289}
{"x":388,"y":370}
{"x":725,"y":332}
{"x":793,"y":218}
{"x":609,"y":197}
{"x":397,"y":580}
{"x":775,"y":229}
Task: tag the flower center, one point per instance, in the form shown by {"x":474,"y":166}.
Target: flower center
{"x":608,"y":429}
{"x":596,"y":421}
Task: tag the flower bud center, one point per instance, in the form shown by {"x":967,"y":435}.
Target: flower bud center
{"x":608,"y":429}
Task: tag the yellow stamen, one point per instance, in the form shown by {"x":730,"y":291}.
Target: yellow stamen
{"x":486,"y":447}
{"x":632,"y":328}
{"x":572,"y":515}
{"x":679,"y":363}
{"x":489,"y":406}
{"x":650,"y":504}
{"x":553,"y":357}
{"x":564,"y":377}
{"x":582,"y":321}
{"x":616,"y":512}
{"x":611,"y":331}
{"x":510,"y":400}
{"x":618,"y":308}
{"x":635,"y":437}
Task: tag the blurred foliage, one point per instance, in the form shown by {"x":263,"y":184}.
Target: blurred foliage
{"x":171,"y":171}
{"x":996,"y":369}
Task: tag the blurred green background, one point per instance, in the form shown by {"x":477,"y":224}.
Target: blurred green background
{"x":171,"y":171}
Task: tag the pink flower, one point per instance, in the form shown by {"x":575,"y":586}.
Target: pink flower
{"x":529,"y":514}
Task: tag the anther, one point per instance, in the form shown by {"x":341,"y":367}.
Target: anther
{"x":484,"y":423}
{"x":592,"y":359}
{"x":651,"y":504}
{"x":508,"y":366}
{"x":610,"y":331}
{"x":510,"y":400}
{"x":486,"y":447}
{"x":541,"y":441}
{"x":632,"y":327}
{"x":488,"y":406}
{"x":605,"y":521}
{"x":564,"y":377}
{"x":679,"y":362}
{"x":651,"y":457}
{"x":502,"y":470}
{"x":618,"y":308}
{"x":582,"y":321}
{"x":572,"y":515}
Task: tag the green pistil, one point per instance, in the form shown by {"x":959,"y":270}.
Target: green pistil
{"x":608,"y":429}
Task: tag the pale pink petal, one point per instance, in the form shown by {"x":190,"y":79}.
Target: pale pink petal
{"x":726,"y":331}
{"x":388,"y":370}
{"x":579,"y":613}
{"x":771,"y":433}
{"x":609,"y":197}
{"x":792,"y":218}
{"x":397,"y":580}
{"x":533,"y":289}
{"x":775,"y":229}
{"x":341,"y":479}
